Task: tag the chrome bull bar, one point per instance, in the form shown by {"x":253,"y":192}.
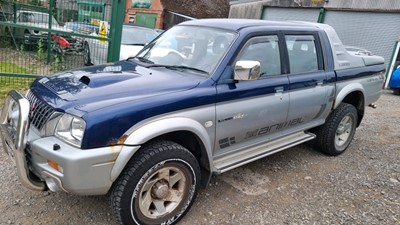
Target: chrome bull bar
{"x":14,"y":122}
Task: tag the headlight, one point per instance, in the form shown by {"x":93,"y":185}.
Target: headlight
{"x":71,"y":129}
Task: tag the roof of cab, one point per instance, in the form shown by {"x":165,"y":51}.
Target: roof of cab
{"x":237,"y":24}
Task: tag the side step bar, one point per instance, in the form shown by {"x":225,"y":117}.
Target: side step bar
{"x":239,"y":158}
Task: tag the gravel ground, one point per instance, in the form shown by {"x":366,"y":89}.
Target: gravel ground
{"x":297,"y":186}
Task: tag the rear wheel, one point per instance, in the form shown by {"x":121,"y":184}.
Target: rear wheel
{"x":396,"y":91}
{"x":158,"y":186}
{"x":336,"y":134}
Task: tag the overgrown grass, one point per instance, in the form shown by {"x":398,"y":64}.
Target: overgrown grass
{"x":7,"y":67}
{"x":8,"y":83}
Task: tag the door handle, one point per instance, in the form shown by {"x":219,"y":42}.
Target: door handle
{"x":279,"y":89}
{"x":279,"y":92}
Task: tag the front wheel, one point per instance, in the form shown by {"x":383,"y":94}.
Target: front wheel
{"x":158,"y":186}
{"x":336,"y":134}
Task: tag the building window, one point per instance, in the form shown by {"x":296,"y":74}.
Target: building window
{"x":146,"y":4}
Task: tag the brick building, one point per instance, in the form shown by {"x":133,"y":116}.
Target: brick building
{"x":153,"y":13}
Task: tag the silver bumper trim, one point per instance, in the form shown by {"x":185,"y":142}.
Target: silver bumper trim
{"x":16,"y":148}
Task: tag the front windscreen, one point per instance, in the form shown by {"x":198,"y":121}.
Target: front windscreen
{"x":190,"y":47}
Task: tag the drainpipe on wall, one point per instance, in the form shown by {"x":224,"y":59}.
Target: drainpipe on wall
{"x":391,"y":65}
{"x":321,"y":16}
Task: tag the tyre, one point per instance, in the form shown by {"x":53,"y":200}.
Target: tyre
{"x":86,"y":55}
{"x":158,"y":186}
{"x":336,"y":134}
{"x":396,"y":91}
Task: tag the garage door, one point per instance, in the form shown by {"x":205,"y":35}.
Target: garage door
{"x":310,"y":15}
{"x":376,"y":32}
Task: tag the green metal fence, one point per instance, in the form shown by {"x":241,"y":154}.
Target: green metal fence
{"x":39,"y":37}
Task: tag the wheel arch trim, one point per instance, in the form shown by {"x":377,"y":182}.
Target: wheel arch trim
{"x":345,"y":91}
{"x":139,"y":136}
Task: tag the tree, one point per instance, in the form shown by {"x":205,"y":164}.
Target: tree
{"x":2,"y":2}
{"x":35,"y":2}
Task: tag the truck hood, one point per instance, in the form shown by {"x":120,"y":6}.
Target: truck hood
{"x":92,"y":88}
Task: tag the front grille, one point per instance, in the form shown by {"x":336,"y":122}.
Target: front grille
{"x":40,"y":112}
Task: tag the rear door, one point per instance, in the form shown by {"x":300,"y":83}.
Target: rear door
{"x":307,"y":79}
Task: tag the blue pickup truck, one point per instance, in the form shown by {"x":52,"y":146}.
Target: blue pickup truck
{"x":205,"y":97}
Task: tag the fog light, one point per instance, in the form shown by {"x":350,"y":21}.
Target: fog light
{"x":55,"y":166}
{"x":51,"y":184}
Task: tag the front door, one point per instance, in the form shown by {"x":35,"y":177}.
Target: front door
{"x":252,"y":112}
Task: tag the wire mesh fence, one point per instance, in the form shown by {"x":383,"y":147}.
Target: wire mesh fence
{"x":40,"y":37}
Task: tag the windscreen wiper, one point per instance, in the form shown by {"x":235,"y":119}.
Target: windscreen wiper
{"x":136,"y":44}
{"x":180,"y":67}
{"x":141,"y":59}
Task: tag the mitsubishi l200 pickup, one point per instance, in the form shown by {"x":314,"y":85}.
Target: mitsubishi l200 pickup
{"x":203,"y":98}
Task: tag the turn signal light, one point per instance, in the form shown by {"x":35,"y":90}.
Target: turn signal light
{"x":55,"y":166}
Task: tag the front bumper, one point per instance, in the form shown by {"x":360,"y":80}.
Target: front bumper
{"x":13,"y":129}
{"x":82,"y":172}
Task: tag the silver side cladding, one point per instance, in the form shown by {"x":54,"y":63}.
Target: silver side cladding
{"x":370,"y":86}
{"x":200,"y":121}
{"x":84,"y":172}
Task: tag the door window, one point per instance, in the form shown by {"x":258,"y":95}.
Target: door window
{"x":264,"y":50}
{"x":302,"y":53}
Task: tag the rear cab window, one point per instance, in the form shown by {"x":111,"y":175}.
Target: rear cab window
{"x":304,"y":53}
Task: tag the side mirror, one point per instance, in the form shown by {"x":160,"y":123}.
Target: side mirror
{"x":247,"y":70}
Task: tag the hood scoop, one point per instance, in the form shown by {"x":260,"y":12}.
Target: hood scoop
{"x":85,"y":80}
{"x":100,"y":80}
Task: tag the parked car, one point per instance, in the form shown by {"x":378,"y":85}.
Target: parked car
{"x":395,"y":81}
{"x":133,"y":40}
{"x":160,"y":31}
{"x":30,"y":36}
{"x":82,"y":27}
